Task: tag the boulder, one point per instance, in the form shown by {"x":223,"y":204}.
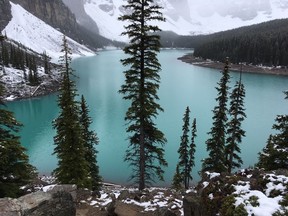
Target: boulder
{"x":192,"y":205}
{"x":59,"y":203}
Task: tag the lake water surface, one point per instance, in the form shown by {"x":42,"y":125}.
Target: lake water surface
{"x":100,"y":78}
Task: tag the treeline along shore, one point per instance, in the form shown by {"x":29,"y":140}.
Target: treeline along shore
{"x":246,"y":68}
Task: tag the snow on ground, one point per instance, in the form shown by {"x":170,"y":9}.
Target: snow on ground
{"x":17,"y":87}
{"x":258,"y":203}
{"x":32,"y":32}
{"x":105,"y":14}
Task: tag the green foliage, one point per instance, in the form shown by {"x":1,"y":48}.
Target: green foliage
{"x":186,"y":151}
{"x":275,"y":155}
{"x":192,"y":149}
{"x":216,"y":162}
{"x":90,"y":140}
{"x":284,"y":207}
{"x":264,"y":43}
{"x":69,"y":142}
{"x":240,"y":210}
{"x":228,"y":206}
{"x":254,"y":201}
{"x":15,"y":170}
{"x":177,"y":179}
{"x":145,"y":152}
{"x":234,"y":130}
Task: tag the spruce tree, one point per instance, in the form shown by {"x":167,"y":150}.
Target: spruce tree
{"x":192,"y":151}
{"x":275,"y":154}
{"x":184,"y":149}
{"x":15,"y":170}
{"x":145,"y":152}
{"x":267,"y":155}
{"x":234,"y":130}
{"x":69,"y":143}
{"x":216,"y":162}
{"x":177,"y":179}
{"x":90,"y":140}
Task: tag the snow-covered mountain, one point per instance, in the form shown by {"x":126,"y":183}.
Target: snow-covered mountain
{"x":186,"y":17}
{"x":35,"y":34}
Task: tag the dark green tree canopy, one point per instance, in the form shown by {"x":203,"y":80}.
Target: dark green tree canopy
{"x":216,"y":162}
{"x":69,"y":142}
{"x":275,"y":155}
{"x":15,"y":170}
{"x":145,"y":152}
{"x":234,"y":130}
{"x":90,"y":142}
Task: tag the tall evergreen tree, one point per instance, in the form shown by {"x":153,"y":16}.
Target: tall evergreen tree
{"x":46,"y":61}
{"x":216,"y":162}
{"x":177,"y":179}
{"x":192,"y":150}
{"x":90,"y":140}
{"x":184,"y":149}
{"x":145,"y":152}
{"x":15,"y":170}
{"x":234,"y":130}
{"x":69,"y":143}
{"x":275,"y":154}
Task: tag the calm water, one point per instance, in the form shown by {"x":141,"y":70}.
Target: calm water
{"x":181,"y":85}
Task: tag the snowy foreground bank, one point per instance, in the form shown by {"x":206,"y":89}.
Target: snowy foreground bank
{"x":248,"y":192}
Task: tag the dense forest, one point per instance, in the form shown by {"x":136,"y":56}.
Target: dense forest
{"x":265,"y":44}
{"x":15,"y":55}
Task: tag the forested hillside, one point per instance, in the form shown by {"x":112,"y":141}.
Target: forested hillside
{"x":265,"y":44}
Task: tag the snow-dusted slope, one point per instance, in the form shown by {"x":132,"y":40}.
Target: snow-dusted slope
{"x":188,"y":17}
{"x":37,"y":35}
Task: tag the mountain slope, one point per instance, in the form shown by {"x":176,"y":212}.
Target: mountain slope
{"x":32,"y":32}
{"x":187,"y":17}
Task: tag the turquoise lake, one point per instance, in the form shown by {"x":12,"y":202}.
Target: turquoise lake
{"x":182,"y":85}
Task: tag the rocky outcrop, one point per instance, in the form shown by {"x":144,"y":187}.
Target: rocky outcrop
{"x":53,"y":12}
{"x":77,"y":7}
{"x":39,"y":203}
{"x":5,"y":13}
{"x":58,"y":15}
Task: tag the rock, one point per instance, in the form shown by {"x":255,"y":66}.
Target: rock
{"x":39,"y":203}
{"x":164,"y":211}
{"x":60,"y":204}
{"x":124,"y":195}
{"x":82,"y":194}
{"x":123,"y":209}
{"x":192,"y":205}
{"x":111,"y":208}
{"x":5,"y":13}
{"x":9,"y":207}
{"x":71,"y":189}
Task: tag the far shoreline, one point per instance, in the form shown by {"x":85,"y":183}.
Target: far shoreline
{"x":190,"y":59}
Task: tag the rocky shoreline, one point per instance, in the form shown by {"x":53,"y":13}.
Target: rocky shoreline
{"x":17,"y":88}
{"x":190,"y":59}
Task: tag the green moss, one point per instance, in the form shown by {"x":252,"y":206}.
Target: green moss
{"x":240,"y":211}
{"x":254,"y":201}
{"x":228,"y":206}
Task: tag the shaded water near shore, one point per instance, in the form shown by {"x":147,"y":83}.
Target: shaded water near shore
{"x":100,"y":78}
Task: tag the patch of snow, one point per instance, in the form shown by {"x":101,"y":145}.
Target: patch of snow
{"x":267,"y":206}
{"x":48,"y":188}
{"x":212,"y":175}
{"x":32,"y":32}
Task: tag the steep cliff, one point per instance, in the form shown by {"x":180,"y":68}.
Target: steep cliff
{"x":53,"y":12}
{"x":5,"y":13}
{"x":77,"y":7}
{"x":58,"y":15}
